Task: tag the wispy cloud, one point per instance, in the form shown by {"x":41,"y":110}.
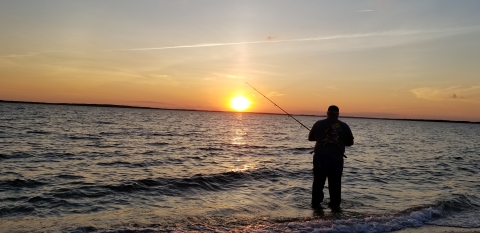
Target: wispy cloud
{"x":234,"y":76}
{"x":229,"y":76}
{"x":450,"y":93}
{"x":274,"y":39}
{"x":332,"y":87}
{"x":19,"y":55}
{"x":319,"y":38}
{"x":25,"y":55}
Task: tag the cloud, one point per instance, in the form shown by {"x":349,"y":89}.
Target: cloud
{"x":229,"y":76}
{"x":25,"y":55}
{"x":272,"y":39}
{"x":450,"y":93}
{"x":332,"y":87}
{"x":19,"y":55}
{"x":233,"y":76}
{"x":319,"y":38}
{"x":454,"y":96}
{"x":365,"y":11}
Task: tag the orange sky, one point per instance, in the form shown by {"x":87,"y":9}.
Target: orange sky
{"x":371,"y":58}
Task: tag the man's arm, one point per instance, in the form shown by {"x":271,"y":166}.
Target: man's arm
{"x":349,"y":142}
{"x":311,"y":135}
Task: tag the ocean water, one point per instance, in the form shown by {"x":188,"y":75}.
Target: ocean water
{"x":99,"y":169}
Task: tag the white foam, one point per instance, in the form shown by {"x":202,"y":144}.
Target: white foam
{"x":357,"y":225}
{"x":375,"y":224}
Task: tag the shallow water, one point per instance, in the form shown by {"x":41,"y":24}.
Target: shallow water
{"x":89,"y":169}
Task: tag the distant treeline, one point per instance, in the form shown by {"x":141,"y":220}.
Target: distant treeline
{"x":140,"y":107}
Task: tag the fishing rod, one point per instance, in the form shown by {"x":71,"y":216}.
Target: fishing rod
{"x":284,"y":111}
{"x":278,"y":107}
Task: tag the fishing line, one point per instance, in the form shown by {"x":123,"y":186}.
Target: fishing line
{"x":278,"y":106}
{"x":283,"y":110}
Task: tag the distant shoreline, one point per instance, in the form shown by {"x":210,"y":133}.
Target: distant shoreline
{"x":179,"y":109}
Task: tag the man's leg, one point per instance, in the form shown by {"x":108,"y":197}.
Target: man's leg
{"x":335,"y":190}
{"x":317,"y":188}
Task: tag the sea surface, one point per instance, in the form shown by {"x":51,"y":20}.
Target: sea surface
{"x":106,"y":169}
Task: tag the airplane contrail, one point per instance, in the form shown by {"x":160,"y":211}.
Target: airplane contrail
{"x":346,"y":36}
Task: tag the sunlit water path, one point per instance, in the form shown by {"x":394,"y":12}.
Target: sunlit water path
{"x":96,"y":169}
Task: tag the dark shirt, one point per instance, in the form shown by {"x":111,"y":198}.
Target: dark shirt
{"x":331,"y":136}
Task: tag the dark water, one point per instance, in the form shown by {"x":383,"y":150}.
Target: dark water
{"x":94,"y":169}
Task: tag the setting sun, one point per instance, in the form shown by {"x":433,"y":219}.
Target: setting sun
{"x":239,"y":103}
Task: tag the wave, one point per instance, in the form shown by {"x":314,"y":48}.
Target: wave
{"x":299,"y":150}
{"x":176,"y":186}
{"x":20,"y":183}
{"x":38,"y":132}
{"x":409,"y":218}
{"x":158,"y":144}
{"x":460,"y":202}
{"x":16,"y":210}
{"x":372,"y":224}
{"x":162,"y":134}
{"x":150,"y":152}
{"x":129,"y":164}
{"x":44,"y":204}
{"x":84,"y":138}
{"x":211,"y":149}
{"x":71,"y":194}
{"x":159,"y":186}
{"x":109,"y":133}
{"x":69,"y":177}
{"x":105,"y":123}
{"x":52,"y":203}
{"x":115,"y":163}
{"x":5,"y":120}
{"x":81,"y":192}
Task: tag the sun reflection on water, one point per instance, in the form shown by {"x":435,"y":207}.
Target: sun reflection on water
{"x":239,"y":132}
{"x":238,"y":138}
{"x":245,"y":168}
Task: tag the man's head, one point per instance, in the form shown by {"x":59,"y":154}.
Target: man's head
{"x":333,"y":112}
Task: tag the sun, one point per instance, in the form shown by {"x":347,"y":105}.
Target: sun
{"x":239,"y":103}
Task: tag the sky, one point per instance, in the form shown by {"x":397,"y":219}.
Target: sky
{"x":378,"y":58}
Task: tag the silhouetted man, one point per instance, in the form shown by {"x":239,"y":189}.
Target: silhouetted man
{"x":331,"y":136}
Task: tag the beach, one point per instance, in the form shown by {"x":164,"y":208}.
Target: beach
{"x":439,"y":229}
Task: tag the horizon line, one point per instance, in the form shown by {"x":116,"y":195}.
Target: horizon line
{"x":269,"y":113}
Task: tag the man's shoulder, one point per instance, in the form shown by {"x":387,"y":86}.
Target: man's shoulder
{"x":321,"y":122}
{"x":343,"y":123}
{"x":326,"y":122}
{"x":346,"y":127}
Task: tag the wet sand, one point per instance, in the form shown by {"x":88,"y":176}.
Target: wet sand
{"x":439,"y":229}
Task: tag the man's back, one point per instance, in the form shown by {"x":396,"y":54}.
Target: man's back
{"x":331,"y":136}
